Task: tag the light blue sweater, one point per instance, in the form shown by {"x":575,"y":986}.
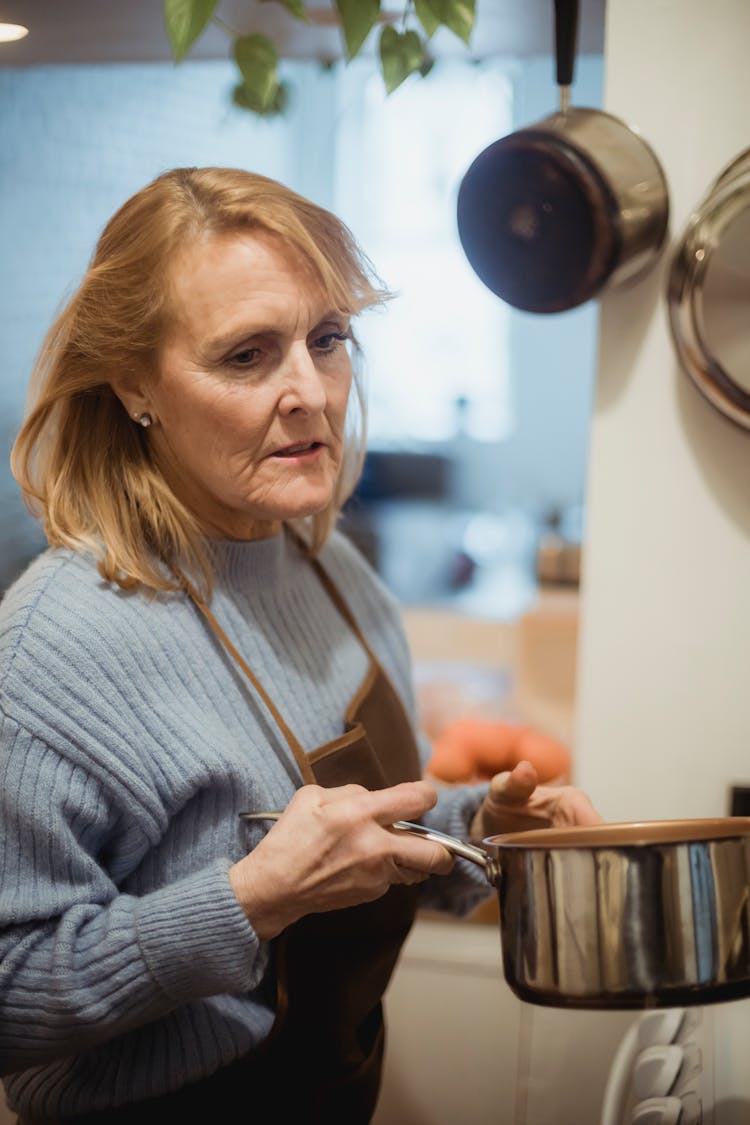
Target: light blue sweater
{"x":128,"y":744}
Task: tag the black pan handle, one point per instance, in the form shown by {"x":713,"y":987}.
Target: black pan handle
{"x":566,"y":33}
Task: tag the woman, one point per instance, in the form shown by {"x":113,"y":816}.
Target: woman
{"x":199,"y":642}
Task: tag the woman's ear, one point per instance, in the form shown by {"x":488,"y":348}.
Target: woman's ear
{"x":132,"y":395}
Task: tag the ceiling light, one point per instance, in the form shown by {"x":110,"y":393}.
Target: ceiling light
{"x":12,"y":31}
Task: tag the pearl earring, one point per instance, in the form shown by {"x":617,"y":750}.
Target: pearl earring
{"x":144,"y":419}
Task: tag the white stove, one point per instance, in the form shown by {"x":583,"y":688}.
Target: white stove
{"x":662,"y":1073}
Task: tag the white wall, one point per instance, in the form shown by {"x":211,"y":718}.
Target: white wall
{"x":664,"y":700}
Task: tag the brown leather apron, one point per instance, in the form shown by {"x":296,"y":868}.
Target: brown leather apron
{"x":326,"y":1046}
{"x":323,"y":1057}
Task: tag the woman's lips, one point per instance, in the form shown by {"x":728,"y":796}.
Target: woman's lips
{"x":301,"y":449}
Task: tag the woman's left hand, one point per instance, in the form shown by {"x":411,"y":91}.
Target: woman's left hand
{"x":516,"y":803}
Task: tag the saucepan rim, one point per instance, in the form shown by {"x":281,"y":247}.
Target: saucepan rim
{"x":638,"y":833}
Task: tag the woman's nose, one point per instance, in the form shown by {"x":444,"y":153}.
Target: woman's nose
{"x":304,"y":388}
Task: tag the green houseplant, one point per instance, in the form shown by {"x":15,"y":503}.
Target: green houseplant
{"x":403,"y":40}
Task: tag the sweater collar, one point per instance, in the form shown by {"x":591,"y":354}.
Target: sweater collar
{"x":237,"y":563}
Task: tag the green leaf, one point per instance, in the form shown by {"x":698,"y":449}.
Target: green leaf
{"x":246,"y":98}
{"x":458,"y":15}
{"x":427,"y":16}
{"x":257,"y":57}
{"x":296,"y":7}
{"x":400,"y":55}
{"x":358,"y":17}
{"x":184,"y":21}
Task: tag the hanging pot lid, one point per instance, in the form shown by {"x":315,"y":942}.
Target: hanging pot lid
{"x":708,"y":293}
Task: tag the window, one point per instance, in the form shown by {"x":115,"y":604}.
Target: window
{"x":437,"y":359}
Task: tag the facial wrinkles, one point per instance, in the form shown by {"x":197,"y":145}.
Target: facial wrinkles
{"x":219,"y":428}
{"x":242,"y":447}
{"x":287,"y":315}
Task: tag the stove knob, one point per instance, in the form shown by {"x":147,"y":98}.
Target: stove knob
{"x":660,"y":1027}
{"x":691,"y":1110}
{"x":656,"y":1069}
{"x":657,"y":1111}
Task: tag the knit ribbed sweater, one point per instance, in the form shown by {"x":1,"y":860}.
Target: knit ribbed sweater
{"x":129,"y":741}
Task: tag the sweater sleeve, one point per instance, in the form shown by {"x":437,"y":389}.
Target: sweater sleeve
{"x":467,"y":884}
{"x":80,"y":961}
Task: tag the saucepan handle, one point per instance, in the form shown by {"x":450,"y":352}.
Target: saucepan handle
{"x":455,"y":846}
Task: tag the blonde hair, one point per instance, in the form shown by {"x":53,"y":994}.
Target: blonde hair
{"x":84,"y":467}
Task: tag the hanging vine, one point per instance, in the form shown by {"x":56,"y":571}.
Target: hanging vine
{"x":402,"y":50}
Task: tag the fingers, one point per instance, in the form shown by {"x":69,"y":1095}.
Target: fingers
{"x":360,"y":819}
{"x":514,"y":787}
{"x":406,"y":876}
{"x":420,"y":855}
{"x":515,"y":803}
{"x":581,"y":810}
{"x":508,"y":805}
{"x":408,"y":801}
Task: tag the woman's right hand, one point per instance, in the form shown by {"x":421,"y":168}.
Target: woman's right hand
{"x":333,"y":848}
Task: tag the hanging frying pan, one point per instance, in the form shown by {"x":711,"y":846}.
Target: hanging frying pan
{"x":552,"y":213}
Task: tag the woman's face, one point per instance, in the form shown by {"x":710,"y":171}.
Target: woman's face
{"x":250,"y":402}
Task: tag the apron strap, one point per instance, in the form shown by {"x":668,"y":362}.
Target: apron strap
{"x":333,"y":593}
{"x":294,"y":745}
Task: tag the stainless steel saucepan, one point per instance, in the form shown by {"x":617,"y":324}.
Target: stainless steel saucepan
{"x":636,"y":915}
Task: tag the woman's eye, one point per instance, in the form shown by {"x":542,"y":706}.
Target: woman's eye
{"x":331,"y":341}
{"x":244,"y":358}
